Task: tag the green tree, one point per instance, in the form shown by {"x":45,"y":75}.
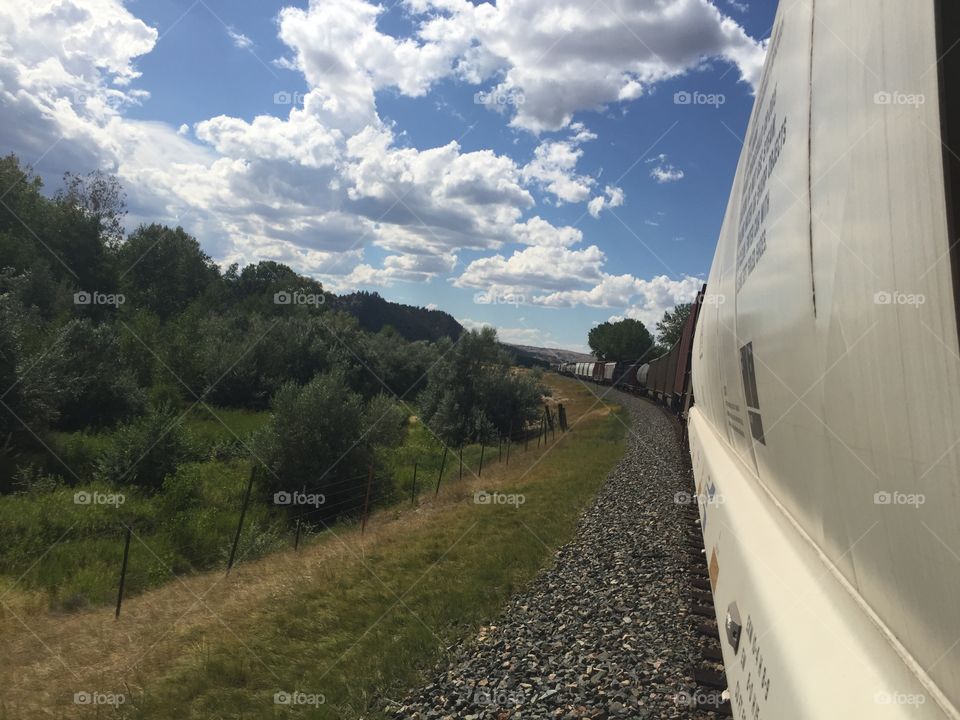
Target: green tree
{"x":322,"y":439}
{"x":54,"y":240}
{"x":254,"y":289}
{"x":163,"y":270}
{"x":95,"y":388}
{"x":99,"y":196}
{"x":627,"y":339}
{"x":671,"y":326}
{"x":144,"y":452}
{"x":473,"y":392}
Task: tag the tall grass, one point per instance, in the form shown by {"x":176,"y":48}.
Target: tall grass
{"x":72,"y":550}
{"x":362,"y":631}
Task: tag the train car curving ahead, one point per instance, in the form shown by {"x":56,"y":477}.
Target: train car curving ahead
{"x":825,"y":436}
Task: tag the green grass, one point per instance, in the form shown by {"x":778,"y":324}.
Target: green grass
{"x":211,"y":432}
{"x":423,"y":448}
{"x":342,"y":634}
{"x":188,"y":527}
{"x":223,"y":425}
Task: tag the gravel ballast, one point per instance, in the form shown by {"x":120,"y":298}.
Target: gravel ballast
{"x":605,"y":630}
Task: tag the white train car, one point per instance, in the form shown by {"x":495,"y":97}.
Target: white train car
{"x":825,"y":436}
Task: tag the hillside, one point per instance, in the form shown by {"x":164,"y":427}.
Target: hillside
{"x":550,"y":356}
{"x":413,"y":323}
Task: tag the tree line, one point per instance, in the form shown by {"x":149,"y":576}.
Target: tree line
{"x":107,"y":332}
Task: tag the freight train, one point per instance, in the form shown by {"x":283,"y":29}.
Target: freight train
{"x":821,"y":389}
{"x":665,"y":379}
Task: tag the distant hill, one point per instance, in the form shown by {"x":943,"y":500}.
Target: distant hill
{"x":530,"y":355}
{"x":413,"y":323}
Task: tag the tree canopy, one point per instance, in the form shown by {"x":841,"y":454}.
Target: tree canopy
{"x":626,"y":339}
{"x":671,"y":326}
{"x":472,"y":394}
{"x":116,"y":335}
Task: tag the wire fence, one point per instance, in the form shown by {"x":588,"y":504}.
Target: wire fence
{"x":312,"y":509}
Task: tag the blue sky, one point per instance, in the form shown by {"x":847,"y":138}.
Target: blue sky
{"x":530,"y":165}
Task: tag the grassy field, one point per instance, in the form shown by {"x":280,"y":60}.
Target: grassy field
{"x":352,"y":619}
{"x":187,"y":527}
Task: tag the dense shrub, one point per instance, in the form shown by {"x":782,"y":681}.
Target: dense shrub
{"x":323,"y":438}
{"x":473,"y":394}
{"x":144,"y":452}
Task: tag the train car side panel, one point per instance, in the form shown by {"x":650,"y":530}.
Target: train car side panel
{"x":821,"y":397}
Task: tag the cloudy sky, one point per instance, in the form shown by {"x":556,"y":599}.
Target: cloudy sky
{"x":539,"y":166}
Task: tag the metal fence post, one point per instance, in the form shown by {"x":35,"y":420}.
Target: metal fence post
{"x":243,"y":513}
{"x":123,"y":572}
{"x":443,"y":462}
{"x":366,"y":500}
{"x":413,"y":491}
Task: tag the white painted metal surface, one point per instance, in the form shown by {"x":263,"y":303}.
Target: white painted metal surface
{"x":827,"y":384}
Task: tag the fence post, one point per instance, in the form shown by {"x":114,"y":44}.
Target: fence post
{"x":499,"y":448}
{"x":366,"y":500}
{"x":443,"y":462}
{"x":296,"y":538}
{"x":123,"y":572}
{"x":509,"y":438}
{"x":461,"y":463}
{"x":243,"y":513}
{"x":413,"y":491}
{"x":480,"y":471}
{"x":526,"y":439}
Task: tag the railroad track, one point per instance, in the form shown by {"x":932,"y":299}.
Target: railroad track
{"x":612,"y":628}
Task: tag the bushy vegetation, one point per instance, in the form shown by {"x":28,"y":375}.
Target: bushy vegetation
{"x":626,"y":339}
{"x":473,"y":396}
{"x":670,"y":327}
{"x":323,"y":439}
{"x":133,"y":364}
{"x":144,"y":452}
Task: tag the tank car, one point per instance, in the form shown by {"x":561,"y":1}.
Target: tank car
{"x":825,"y":433}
